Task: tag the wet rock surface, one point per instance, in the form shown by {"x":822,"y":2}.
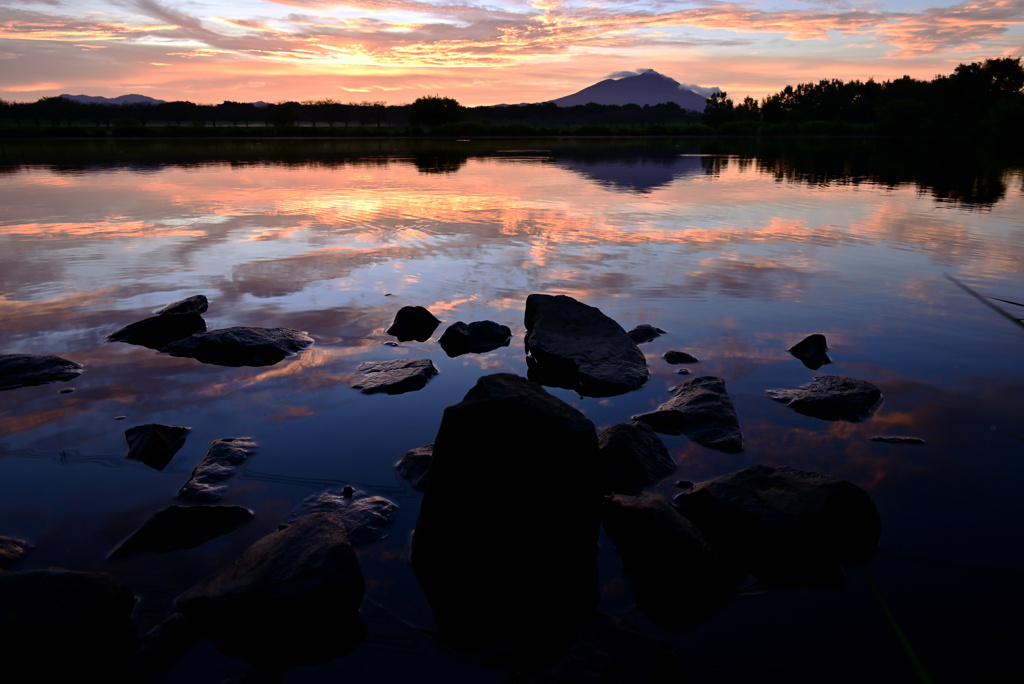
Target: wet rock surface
{"x":156,"y":332}
{"x":830,"y":397}
{"x":701,"y":409}
{"x":25,"y":370}
{"x":194,"y":304}
{"x":477,"y":337}
{"x":786,"y":526}
{"x":182,"y":527}
{"x":812,"y":351}
{"x":413,"y":323}
{"x":645,"y":332}
{"x":11,"y":552}
{"x":366,"y":518}
{"x":575,"y":346}
{"x":517,"y":565}
{"x":393,"y":377}
{"x":155,"y":444}
{"x":415,"y":466}
{"x":291,"y":598}
{"x":632,"y":456}
{"x":679,"y":579}
{"x":674,"y":356}
{"x":56,"y":624}
{"x":241,"y":346}
{"x":208,"y":480}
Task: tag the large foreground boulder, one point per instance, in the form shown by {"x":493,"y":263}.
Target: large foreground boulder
{"x":57,"y":624}
{"x":207,"y":483}
{"x":393,"y":377}
{"x":679,"y":580}
{"x":830,"y":397}
{"x":241,"y":346}
{"x":702,"y":410}
{"x":575,"y":346}
{"x":291,"y":598}
{"x":785,"y":526}
{"x":24,"y":370}
{"x":506,"y":540}
{"x":181,"y":527}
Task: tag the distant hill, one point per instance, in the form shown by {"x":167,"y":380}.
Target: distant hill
{"x":120,"y":100}
{"x":646,"y":88}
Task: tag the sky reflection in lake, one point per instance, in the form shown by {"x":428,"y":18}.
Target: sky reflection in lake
{"x":738,"y":258}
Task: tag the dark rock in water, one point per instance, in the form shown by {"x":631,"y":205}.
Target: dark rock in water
{"x":679,"y":580}
{"x":154,"y":444}
{"x":207,"y":482}
{"x":683,"y":371}
{"x":393,"y":377}
{"x":897,"y":439}
{"x":477,"y":337}
{"x":702,"y":410}
{"x":365,"y":517}
{"x":785,"y":526}
{"x":413,"y":323}
{"x":812,"y":351}
{"x":830,"y":397}
{"x":194,"y":304}
{"x":505,"y":544}
{"x":675,"y":356}
{"x":684,"y":484}
{"x":24,"y":370}
{"x":161,"y":647}
{"x":644,"y":333}
{"x":156,"y":332}
{"x":632,"y":456}
{"x":575,"y":346}
{"x":57,"y":624}
{"x":291,"y":598}
{"x":241,"y":346}
{"x":415,"y":466}
{"x":182,"y":527}
{"x":11,"y":552}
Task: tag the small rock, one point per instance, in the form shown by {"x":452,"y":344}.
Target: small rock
{"x":477,"y":337}
{"x":241,"y":346}
{"x":415,"y":466}
{"x":684,"y":484}
{"x":194,"y":304}
{"x":830,"y":397}
{"x":702,"y":410}
{"x":154,"y":444}
{"x":632,"y":456}
{"x":812,"y":351}
{"x":66,"y":390}
{"x":365,"y":517}
{"x":11,"y":552}
{"x":413,"y":323}
{"x":182,"y":527}
{"x":393,"y":377}
{"x":24,"y":370}
{"x":157,"y":332}
{"x":897,"y":439}
{"x":219,"y":464}
{"x":675,"y":356}
{"x":682,"y":371}
{"x":644,"y":333}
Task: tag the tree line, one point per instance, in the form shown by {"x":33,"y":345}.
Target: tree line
{"x":982,"y":97}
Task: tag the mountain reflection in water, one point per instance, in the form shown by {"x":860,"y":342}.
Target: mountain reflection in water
{"x":737,"y":249}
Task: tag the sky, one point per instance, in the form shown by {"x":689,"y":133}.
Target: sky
{"x":479,"y":52}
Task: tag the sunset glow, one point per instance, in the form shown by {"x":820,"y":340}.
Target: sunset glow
{"x":479,"y":53}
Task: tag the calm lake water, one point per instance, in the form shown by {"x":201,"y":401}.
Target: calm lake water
{"x":738,"y":252}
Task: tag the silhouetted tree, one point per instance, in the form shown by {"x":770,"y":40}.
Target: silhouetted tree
{"x":433,"y":110}
{"x":718,"y":109}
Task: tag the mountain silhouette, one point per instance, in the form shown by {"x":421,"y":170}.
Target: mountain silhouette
{"x":646,"y":88}
{"x":121,"y":99}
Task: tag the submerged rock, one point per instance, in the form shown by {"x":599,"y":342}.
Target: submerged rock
{"x":57,"y":624}
{"x":415,"y":466}
{"x":194,"y":304}
{"x":182,"y":527}
{"x":11,"y":552}
{"x":505,"y":543}
{"x":574,"y":346}
{"x":365,"y":517}
{"x":24,"y":370}
{"x":393,"y":377}
{"x":241,"y":346}
{"x":784,"y":525}
{"x":207,"y":482}
{"x":155,"y":444}
{"x":679,"y":579}
{"x":156,"y":332}
{"x":675,"y":356}
{"x":477,"y":337}
{"x":632,"y":456}
{"x":812,"y":351}
{"x":645,"y":333}
{"x":830,"y":397}
{"x":701,"y":409}
{"x":413,"y":323}
{"x":897,"y":439}
{"x":291,"y":598}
